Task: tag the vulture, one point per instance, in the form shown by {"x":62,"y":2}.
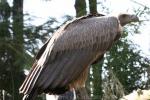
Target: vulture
{"x":63,"y":61}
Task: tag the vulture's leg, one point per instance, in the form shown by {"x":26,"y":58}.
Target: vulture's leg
{"x":81,"y":94}
{"x":69,"y":95}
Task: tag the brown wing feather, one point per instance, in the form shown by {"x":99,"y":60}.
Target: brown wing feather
{"x":69,"y":52}
{"x":41,"y":51}
{"x":65,"y":69}
{"x":24,"y":85}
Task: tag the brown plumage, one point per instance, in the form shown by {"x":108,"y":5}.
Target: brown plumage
{"x":62,"y":63}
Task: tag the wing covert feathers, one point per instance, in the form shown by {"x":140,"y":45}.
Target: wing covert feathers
{"x":86,"y":33}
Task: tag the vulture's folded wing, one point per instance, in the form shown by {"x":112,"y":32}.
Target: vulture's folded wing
{"x":68,"y":53}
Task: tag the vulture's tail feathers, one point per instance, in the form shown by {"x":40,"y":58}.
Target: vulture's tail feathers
{"x":28,"y":85}
{"x":31,"y":96}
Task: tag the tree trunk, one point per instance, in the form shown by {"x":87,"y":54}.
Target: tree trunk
{"x":17,"y":60}
{"x":80,"y":6}
{"x":97,"y":80}
{"x":93,"y":6}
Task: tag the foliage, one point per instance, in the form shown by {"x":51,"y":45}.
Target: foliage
{"x":18,"y":44}
{"x":129,"y":69}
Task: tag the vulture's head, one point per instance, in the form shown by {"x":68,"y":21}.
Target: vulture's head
{"x":127,"y":18}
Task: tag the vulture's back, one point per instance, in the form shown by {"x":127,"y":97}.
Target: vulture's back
{"x":62,"y":61}
{"x":87,"y":31}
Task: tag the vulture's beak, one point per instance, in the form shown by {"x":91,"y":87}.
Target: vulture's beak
{"x":134,"y":18}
